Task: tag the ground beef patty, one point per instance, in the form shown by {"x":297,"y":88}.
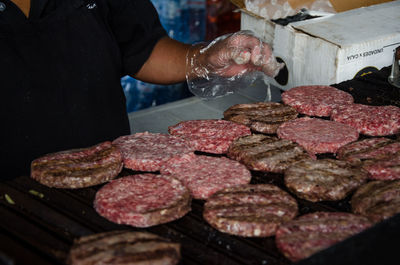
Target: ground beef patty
{"x":379,"y":156}
{"x":316,"y":100}
{"x":143,"y":200}
{"x":310,"y":233}
{"x":250,"y":210}
{"x":123,"y":247}
{"x":204,"y":175}
{"x":78,"y":168}
{"x":266,"y":153}
{"x":317,"y":135}
{"x":385,"y":170}
{"x":377,"y":200}
{"x":324,"y":179}
{"x":148,"y":151}
{"x":263,"y":117}
{"x":369,"y":120}
{"x":211,"y":136}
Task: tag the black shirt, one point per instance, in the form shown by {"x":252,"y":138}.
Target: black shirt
{"x":60,"y":73}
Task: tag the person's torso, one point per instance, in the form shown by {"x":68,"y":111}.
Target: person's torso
{"x":60,"y":77}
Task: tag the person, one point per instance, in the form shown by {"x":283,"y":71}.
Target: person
{"x":62,"y":60}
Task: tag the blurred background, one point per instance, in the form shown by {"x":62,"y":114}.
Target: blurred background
{"x":188,"y":21}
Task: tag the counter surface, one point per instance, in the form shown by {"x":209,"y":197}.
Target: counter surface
{"x":157,"y":119}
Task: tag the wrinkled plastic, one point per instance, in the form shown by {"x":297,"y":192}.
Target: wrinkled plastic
{"x":228,"y":63}
{"x":282,"y":8}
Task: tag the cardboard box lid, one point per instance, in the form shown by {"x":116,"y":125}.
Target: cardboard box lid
{"x":344,"y":5}
{"x":241,"y":5}
{"x":354,"y":26}
{"x":339,"y":5}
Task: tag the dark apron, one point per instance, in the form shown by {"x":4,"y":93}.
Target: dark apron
{"x":60,"y":84}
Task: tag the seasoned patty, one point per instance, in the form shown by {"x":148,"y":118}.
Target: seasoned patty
{"x":369,"y":120}
{"x":210,"y":136}
{"x":143,"y":200}
{"x":379,"y":156}
{"x":317,"y":135}
{"x":266,"y":153}
{"x":250,"y":210}
{"x":302,"y":237}
{"x":148,"y":151}
{"x":263,"y":117}
{"x":377,"y":200}
{"x":78,"y":168}
{"x":123,"y":247}
{"x":316,"y":100}
{"x":324,"y":179}
{"x":204,"y":175}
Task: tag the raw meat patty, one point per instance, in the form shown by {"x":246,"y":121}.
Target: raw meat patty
{"x":123,"y":247}
{"x":369,"y":120}
{"x":377,"y":200}
{"x":250,"y":210}
{"x":316,"y":100}
{"x":263,"y":117}
{"x":310,"y":233}
{"x":148,"y":151}
{"x":78,"y":168}
{"x":143,"y":200}
{"x":379,"y":156}
{"x":204,"y":175}
{"x":324,"y":179}
{"x":317,"y":135}
{"x":211,"y":136}
{"x":265,"y":153}
{"x":385,"y":170}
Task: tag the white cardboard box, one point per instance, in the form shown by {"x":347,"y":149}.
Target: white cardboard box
{"x":333,"y":48}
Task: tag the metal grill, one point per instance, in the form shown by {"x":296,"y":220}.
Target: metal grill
{"x":45,"y":227}
{"x":41,"y":230}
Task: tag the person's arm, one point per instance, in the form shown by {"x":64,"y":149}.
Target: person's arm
{"x":166,"y":64}
{"x":230,"y":57}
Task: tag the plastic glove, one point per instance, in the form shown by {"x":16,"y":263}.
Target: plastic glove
{"x":228,"y":63}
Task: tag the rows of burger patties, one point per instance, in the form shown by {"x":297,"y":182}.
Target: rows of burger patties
{"x":266,"y":137}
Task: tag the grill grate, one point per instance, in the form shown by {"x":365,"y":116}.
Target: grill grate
{"x":37,"y":230}
{"x":45,"y":227}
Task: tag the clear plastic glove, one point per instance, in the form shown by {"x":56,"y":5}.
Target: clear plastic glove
{"x":228,"y":63}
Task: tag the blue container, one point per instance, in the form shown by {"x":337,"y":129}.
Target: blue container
{"x":194,"y":17}
{"x":137,"y":96}
{"x":129,"y":86}
{"x":170,"y":13}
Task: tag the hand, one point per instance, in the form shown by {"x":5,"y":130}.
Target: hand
{"x":233,"y":54}
{"x":232,"y":57}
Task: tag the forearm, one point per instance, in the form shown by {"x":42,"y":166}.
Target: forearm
{"x":230,"y":56}
{"x":166,"y":64}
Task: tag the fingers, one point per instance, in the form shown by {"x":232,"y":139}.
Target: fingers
{"x":261,"y":57}
{"x":257,"y":57}
{"x":260,"y":52}
{"x":241,"y":56}
{"x":238,"y":53}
